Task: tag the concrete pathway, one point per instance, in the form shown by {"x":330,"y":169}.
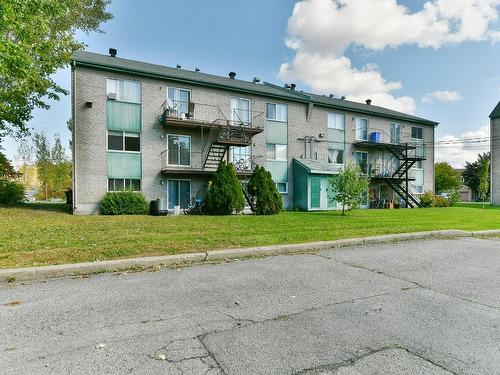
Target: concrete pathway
{"x":429,"y":307}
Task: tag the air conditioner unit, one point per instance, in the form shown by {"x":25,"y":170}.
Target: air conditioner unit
{"x":112,"y":96}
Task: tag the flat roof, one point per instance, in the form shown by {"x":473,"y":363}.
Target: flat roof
{"x":118,"y":64}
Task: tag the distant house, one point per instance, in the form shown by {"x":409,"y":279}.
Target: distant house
{"x":466,"y":194}
{"x":495,"y":155}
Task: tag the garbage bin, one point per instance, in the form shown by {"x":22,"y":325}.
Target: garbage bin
{"x":158,"y":207}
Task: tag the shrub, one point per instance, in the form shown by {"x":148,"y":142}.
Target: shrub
{"x":11,"y":192}
{"x":224,"y":193}
{"x":454,"y":197}
{"x":263,"y":193}
{"x":441,"y":201}
{"x":124,"y":203}
{"x":427,"y":199}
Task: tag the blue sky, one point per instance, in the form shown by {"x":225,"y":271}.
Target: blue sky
{"x":253,"y":38}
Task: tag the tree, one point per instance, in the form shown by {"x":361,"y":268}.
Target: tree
{"x":6,"y":169}
{"x":266,"y":200}
{"x":43,"y":162}
{"x":60,"y":169}
{"x":446,"y":178}
{"x":224,"y":193}
{"x":351,"y":186}
{"x":38,"y":38}
{"x":471,"y":173}
{"x":25,"y":158}
{"x":484,"y":182}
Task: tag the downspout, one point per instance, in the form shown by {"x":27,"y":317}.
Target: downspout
{"x":73,"y":131}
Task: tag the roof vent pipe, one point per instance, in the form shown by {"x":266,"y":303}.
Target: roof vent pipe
{"x":287,"y":86}
{"x":179,"y":66}
{"x":232,"y":75}
{"x":292,"y":86}
{"x":112,"y":52}
{"x":331,"y":96}
{"x":256,"y":80}
{"x":196,"y":69}
{"x":368,"y":101}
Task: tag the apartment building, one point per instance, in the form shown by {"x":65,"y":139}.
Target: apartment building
{"x":163,"y":131}
{"x":495,"y":155}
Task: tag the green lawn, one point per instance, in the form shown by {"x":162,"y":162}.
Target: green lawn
{"x":39,"y":235}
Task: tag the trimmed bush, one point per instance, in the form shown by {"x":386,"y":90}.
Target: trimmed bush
{"x":263,"y":193}
{"x":11,"y":192}
{"x":124,"y":203}
{"x":224,"y":194}
{"x":427,"y":199}
{"x":441,"y":201}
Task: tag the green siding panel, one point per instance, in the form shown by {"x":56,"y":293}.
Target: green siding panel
{"x":123,"y":116}
{"x":278,"y":169}
{"x":124,"y":165}
{"x":276,"y":132}
{"x":299,"y":186}
{"x":315,"y":191}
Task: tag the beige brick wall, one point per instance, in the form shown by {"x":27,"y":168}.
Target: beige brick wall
{"x":90,"y":135}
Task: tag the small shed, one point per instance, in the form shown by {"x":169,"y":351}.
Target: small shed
{"x":311,"y":185}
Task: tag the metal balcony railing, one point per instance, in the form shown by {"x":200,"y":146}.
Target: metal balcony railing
{"x":211,"y":114}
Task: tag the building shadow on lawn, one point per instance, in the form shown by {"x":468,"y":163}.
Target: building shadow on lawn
{"x":42,"y":206}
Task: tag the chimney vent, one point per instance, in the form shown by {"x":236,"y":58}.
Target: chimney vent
{"x":292,"y":86}
{"x":196,"y":69}
{"x":112,"y":52}
{"x":287,"y":86}
{"x":256,"y":80}
{"x":368,"y":101}
{"x":179,"y":66}
{"x":342,"y":97}
{"x":232,"y":75}
{"x":331,"y":96}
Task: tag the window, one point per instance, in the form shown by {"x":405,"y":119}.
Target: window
{"x":179,"y":150}
{"x":241,"y":156}
{"x":124,"y":90}
{"x":122,"y":184}
{"x":282,"y":187}
{"x":361,"y":129}
{"x":276,"y":152}
{"x":122,"y":141}
{"x":178,"y":193}
{"x":395,"y":130}
{"x":361,"y":159}
{"x":417,"y":133}
{"x":335,"y":156}
{"x":336,"y":138}
{"x":277,"y":112}
{"x":180,"y":99}
{"x":240,"y":111}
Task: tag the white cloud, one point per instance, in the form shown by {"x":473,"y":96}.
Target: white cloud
{"x":444,"y":96}
{"x":319,"y":31}
{"x":456,"y":151}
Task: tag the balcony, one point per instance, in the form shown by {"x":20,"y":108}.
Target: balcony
{"x":197,"y":164}
{"x":401,"y":145}
{"x":386,"y":171}
{"x":206,"y":116}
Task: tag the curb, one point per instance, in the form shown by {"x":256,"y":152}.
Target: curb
{"x":36,"y":273}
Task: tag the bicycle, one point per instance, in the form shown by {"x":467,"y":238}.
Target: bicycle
{"x":195,"y":208}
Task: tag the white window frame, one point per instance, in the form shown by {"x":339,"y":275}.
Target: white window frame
{"x":116,"y":89}
{"x":178,"y":181}
{"x":114,"y":191}
{"x":123,"y":141}
{"x":233,"y":120}
{"x":180,"y":88}
{"x":275,"y":153}
{"x":190,"y":151}
{"x":356,"y":128}
{"x":282,"y":182}
{"x":276,"y":110}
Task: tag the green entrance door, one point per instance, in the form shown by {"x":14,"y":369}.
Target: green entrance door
{"x":315,"y":191}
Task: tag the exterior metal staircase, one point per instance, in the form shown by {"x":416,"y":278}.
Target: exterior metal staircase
{"x":214,"y":156}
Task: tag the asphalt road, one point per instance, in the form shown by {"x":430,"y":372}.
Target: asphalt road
{"x":430,"y":307}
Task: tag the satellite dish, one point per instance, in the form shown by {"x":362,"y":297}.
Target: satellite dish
{"x":170,"y":103}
